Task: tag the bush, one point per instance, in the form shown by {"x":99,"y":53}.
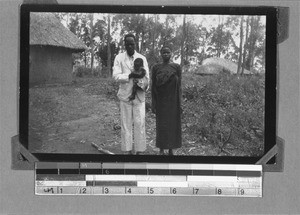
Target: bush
{"x":111,"y":89}
{"x":223,"y":109}
{"x":105,"y":72}
{"x":82,"y":71}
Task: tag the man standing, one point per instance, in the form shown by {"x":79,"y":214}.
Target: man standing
{"x":133,"y":133}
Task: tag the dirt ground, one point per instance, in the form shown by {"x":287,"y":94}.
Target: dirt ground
{"x":69,"y":118}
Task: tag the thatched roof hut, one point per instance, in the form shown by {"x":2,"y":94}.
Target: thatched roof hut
{"x":51,"y":49}
{"x":222,"y":65}
{"x":47,"y":30}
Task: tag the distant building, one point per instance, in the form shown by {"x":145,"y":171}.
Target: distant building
{"x":216,"y":65}
{"x":51,"y":48}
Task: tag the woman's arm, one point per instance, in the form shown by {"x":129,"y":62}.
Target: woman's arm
{"x":179,"y":73}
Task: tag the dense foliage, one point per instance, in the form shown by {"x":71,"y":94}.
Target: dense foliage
{"x":225,"y":110}
{"x":193,"y":38}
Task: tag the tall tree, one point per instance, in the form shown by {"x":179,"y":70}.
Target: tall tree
{"x":74,"y":23}
{"x":85,"y":36}
{"x":245,"y":46}
{"x":253,"y":38}
{"x":103,"y":54}
{"x":219,"y":40}
{"x":99,"y":35}
{"x":131,"y":23}
{"x":108,"y":46}
{"x":221,"y":36}
{"x":241,"y":45}
{"x":256,"y":41}
{"x":167,"y":31}
{"x":143,"y":34}
{"x":150,"y":44}
{"x":91,"y":17}
{"x":153,"y":33}
{"x":183,"y":40}
{"x":193,"y":41}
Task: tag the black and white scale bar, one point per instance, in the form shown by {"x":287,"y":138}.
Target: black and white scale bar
{"x":148,"y":169}
{"x":148,"y":179}
{"x":148,"y":172}
{"x":136,"y":172}
{"x":91,"y":171}
{"x":57,"y":168}
{"x":64,"y":177}
{"x":148,"y":191}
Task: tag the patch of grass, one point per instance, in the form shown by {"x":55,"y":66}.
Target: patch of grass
{"x":82,"y":71}
{"x":225,"y":110}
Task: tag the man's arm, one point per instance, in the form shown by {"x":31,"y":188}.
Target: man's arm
{"x":118,"y":74}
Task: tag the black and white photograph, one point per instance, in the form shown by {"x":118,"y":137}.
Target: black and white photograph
{"x":149,"y":107}
{"x":199,"y":89}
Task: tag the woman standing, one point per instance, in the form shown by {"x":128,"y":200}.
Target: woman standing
{"x":166,"y":102}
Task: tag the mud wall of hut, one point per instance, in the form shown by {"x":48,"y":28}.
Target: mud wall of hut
{"x":50,"y":65}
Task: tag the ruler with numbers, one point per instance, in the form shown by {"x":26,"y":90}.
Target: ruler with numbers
{"x":148,"y":179}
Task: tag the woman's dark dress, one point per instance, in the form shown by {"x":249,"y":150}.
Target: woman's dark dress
{"x":166,"y":100}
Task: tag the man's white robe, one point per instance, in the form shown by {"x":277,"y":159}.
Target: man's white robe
{"x":133,"y":132}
